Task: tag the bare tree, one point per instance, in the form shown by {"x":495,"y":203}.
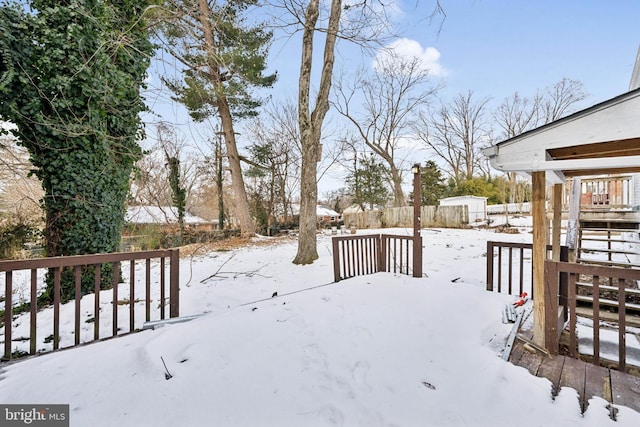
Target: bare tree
{"x":20,"y":193}
{"x":516,"y":114}
{"x":455,"y":133}
{"x":362,"y":23}
{"x":275,"y":160}
{"x":392,"y":94}
{"x":310,"y":121}
{"x":561,"y":98}
{"x":151,"y":185}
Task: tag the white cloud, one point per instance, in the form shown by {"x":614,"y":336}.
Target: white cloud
{"x":408,"y":48}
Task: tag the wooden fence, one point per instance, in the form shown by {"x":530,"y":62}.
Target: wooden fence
{"x":431,"y":216}
{"x":57,"y":264}
{"x":368,"y":254}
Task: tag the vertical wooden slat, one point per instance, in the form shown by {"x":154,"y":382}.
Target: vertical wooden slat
{"x":490,"y":266}
{"x":371,"y":255}
{"x":510,"y":270}
{"x":56,"y":308}
{"x":162,"y":284}
{"x":132,"y":294}
{"x":336,"y":260}
{"x":395,"y":256}
{"x":343,"y":252}
{"x":114,"y":283}
{"x":499,"y":269}
{"x":174,"y":284}
{"x":147,"y":304}
{"x":33,"y":333}
{"x":96,"y":300}
{"x":573,"y":342}
{"x":8,"y":313}
{"x":78,"y":291}
{"x":362,"y":255}
{"x":521,"y":281}
{"x":382,"y":253}
{"x":359,"y":251}
{"x":408,"y":255}
{"x":622,"y":327}
{"x":596,"y":320}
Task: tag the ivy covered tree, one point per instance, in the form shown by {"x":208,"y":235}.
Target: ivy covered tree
{"x":368,"y":183}
{"x":70,"y":78}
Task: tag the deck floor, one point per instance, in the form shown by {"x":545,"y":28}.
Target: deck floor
{"x":587,"y":379}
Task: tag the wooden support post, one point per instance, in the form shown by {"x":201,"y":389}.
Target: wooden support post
{"x":417,"y":221}
{"x":557,"y":221}
{"x":539,"y":254}
{"x":174,"y":284}
{"x":573,"y":217}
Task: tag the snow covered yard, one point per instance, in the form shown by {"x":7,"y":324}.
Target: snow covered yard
{"x":377,"y":350}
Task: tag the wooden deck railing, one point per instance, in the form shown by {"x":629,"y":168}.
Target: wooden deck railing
{"x":56,"y":264}
{"x":518,"y":280}
{"x":367,"y":254}
{"x":589,"y":283}
{"x":606,"y":193}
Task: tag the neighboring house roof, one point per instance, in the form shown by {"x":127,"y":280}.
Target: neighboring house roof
{"x":604,"y":138}
{"x":462,"y":198}
{"x":158,"y":215}
{"x":320,"y":210}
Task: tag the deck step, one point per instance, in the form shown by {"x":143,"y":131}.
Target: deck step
{"x":607,"y":263}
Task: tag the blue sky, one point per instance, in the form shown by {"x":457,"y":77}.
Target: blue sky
{"x":491,"y":47}
{"x":497,"y":47}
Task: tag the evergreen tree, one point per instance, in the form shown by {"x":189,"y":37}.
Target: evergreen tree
{"x":224,"y":57}
{"x":368,"y":184}
{"x":432,"y":184}
{"x":70,"y":79}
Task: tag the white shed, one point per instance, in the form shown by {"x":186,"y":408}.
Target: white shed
{"x":476,"y":205}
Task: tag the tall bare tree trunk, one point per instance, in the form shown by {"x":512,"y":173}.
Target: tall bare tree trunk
{"x":247,"y":225}
{"x":398,"y":194}
{"x":310,"y":123}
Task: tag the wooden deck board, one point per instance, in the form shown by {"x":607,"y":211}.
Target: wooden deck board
{"x":573,"y":375}
{"x":551,"y":369}
{"x":597,"y":383}
{"x":625,"y":390}
{"x":531,"y":361}
{"x":587,"y":379}
{"x":516,"y":353}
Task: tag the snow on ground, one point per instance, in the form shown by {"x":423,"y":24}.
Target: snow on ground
{"x":376,"y":350}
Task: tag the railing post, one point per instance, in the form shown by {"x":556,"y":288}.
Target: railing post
{"x":56,"y":307}
{"x":417,"y":221}
{"x":174,"y":284}
{"x":8,"y":313}
{"x":490,"y":266}
{"x":417,"y":256}
{"x":564,"y":284}
{"x":551,"y":306}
